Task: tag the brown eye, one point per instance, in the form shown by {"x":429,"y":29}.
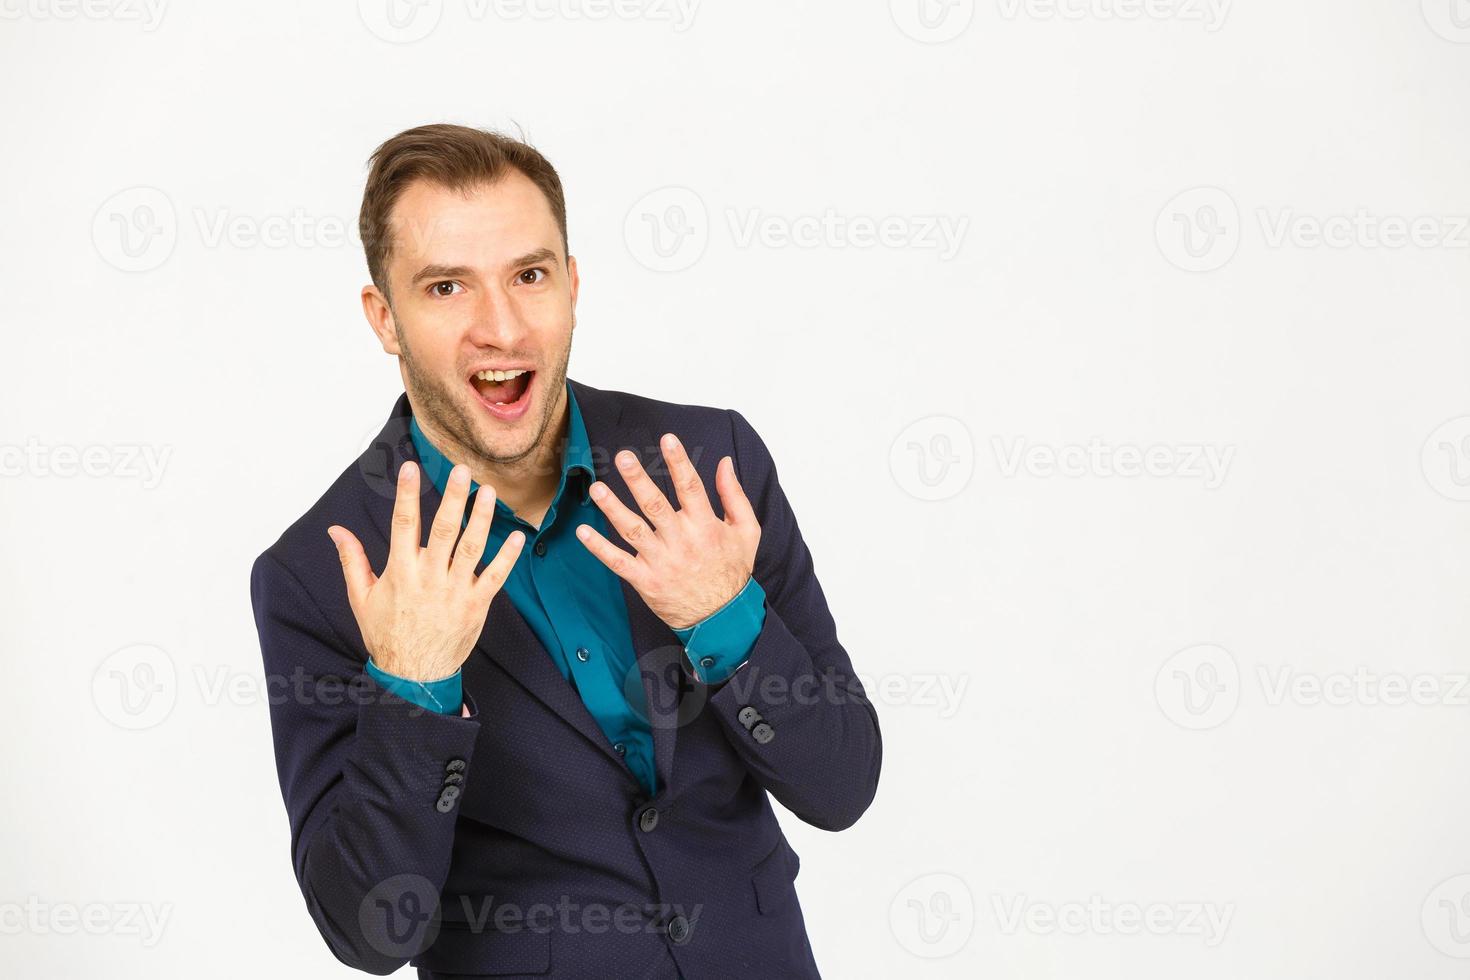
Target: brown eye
{"x":532,"y":272}
{"x":440,"y":290}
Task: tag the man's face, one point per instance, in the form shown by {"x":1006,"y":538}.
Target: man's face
{"x":477,"y":282}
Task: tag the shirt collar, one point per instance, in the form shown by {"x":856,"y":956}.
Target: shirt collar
{"x":577,"y":456}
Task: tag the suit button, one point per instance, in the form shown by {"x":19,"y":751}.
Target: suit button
{"x":540,"y":548}
{"x":583,"y":654}
{"x":763,"y":733}
{"x":748,"y":716}
{"x":679,"y":929}
{"x":648,"y":819}
{"x":454,"y":779}
{"x":454,"y":765}
{"x":449,"y":793}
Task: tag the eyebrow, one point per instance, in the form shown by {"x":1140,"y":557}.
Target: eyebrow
{"x":545,"y":255}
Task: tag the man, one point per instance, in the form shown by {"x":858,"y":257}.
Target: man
{"x":540,"y":739}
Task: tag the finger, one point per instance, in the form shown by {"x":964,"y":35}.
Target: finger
{"x":687,"y":485}
{"x":624,"y":565}
{"x":495,"y":574}
{"x":403,"y":541}
{"x":476,"y":533}
{"x":650,"y":498}
{"x":632,"y":527}
{"x":738,"y":510}
{"x":355,"y":568}
{"x":449,"y":519}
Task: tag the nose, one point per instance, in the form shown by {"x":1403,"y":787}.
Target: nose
{"x":496,"y":322}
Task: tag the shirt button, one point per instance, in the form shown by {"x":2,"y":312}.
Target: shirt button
{"x":618,"y":748}
{"x":583,"y":654}
{"x":540,"y":548}
{"x":706,"y":662}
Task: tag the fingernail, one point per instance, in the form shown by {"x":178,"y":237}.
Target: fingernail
{"x":625,"y":460}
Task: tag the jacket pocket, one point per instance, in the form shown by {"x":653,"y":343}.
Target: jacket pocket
{"x":774,"y":879}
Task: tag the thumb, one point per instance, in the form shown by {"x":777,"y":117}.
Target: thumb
{"x":355,"y":567}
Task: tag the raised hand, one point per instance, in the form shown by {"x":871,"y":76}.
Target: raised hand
{"x":689,"y":563}
{"x":420,"y":619}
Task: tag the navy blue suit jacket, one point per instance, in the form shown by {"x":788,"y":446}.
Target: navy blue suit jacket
{"x":516,"y":841}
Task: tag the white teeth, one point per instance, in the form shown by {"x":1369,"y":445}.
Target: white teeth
{"x":499,"y":375}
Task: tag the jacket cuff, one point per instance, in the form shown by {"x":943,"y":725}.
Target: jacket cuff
{"x":717,"y":645}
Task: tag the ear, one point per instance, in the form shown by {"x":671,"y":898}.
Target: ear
{"x":380,"y":317}
{"x":576,"y":284}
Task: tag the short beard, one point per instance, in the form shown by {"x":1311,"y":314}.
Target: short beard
{"x":446,"y":413}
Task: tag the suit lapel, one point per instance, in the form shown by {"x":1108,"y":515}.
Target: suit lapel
{"x":507,"y":639}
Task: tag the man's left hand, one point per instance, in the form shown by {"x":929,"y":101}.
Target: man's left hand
{"x":689,"y":562}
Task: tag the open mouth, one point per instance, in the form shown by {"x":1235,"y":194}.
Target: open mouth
{"x":505,"y":394}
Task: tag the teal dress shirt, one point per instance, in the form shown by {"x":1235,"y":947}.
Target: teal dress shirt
{"x":574,"y":604}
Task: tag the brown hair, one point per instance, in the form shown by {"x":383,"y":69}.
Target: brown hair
{"x":456,"y":157}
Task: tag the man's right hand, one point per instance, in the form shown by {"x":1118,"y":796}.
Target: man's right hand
{"x":420,"y":619}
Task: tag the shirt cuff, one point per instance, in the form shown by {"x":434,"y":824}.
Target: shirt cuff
{"x":718,"y":644}
{"x":443,"y":695}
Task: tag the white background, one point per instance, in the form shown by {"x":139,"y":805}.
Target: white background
{"x":1172,"y":694}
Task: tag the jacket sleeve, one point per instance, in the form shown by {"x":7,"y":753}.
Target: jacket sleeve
{"x":795,"y":710}
{"x":371,"y":781}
